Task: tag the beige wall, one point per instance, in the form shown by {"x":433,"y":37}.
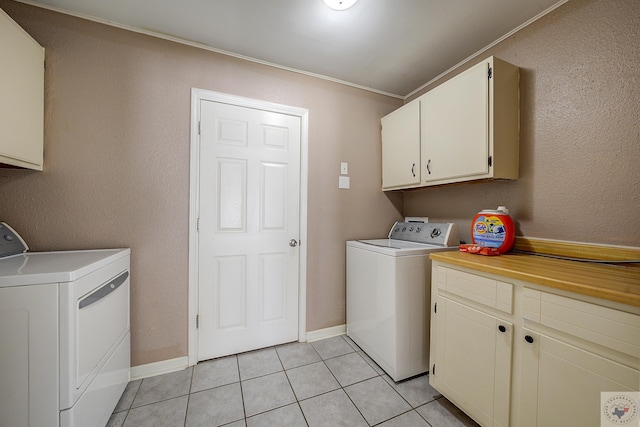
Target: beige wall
{"x":580,"y":131}
{"x":117,"y":165}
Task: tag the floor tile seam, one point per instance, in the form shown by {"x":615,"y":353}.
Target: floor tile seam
{"x":356,"y":406}
{"x":396,"y":416}
{"x":254,"y":351}
{"x":134,"y":397}
{"x":244,"y":406}
{"x":186,"y":411}
{"x":302,"y":412}
{"x":159,"y":401}
{"x":421,"y":416}
{"x":259,"y":376}
{"x":397,"y":392}
{"x":334,"y":376}
{"x":274,"y":409}
{"x":304,"y":364}
{"x":360,"y":381}
{"x":315,"y":395}
{"x":235,"y":356}
{"x":339,"y":355}
{"x":295,"y":396}
{"x":392,"y":388}
{"x":214,"y":387}
{"x":351,"y":342}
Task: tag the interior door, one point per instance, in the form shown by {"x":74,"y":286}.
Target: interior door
{"x":249,"y":222}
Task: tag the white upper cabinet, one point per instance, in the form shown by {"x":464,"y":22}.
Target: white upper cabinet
{"x":468,"y":129}
{"x":22,"y":100}
{"x":401,"y":147}
{"x":470,"y":126}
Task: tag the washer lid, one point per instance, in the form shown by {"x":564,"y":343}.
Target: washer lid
{"x":393,"y":247}
{"x":33,"y":268}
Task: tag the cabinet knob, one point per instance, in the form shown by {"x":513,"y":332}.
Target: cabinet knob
{"x":502,"y":328}
{"x":529,"y":339}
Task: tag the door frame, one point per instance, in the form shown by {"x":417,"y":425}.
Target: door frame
{"x":198,"y":95}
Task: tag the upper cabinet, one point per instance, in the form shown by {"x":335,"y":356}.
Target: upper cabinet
{"x":468,"y":129}
{"x":22,"y":100}
{"x":401,"y":147}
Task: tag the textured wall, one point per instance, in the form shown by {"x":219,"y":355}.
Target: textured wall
{"x":117,"y":165}
{"x":579,"y":135}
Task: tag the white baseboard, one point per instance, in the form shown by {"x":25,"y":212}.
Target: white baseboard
{"x":321,"y":334}
{"x":158,"y":368}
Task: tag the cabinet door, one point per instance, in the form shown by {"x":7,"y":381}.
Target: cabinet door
{"x":401,"y":147}
{"x":561,"y":383}
{"x":471,"y":361}
{"x":455,"y":128}
{"x":22,"y":99}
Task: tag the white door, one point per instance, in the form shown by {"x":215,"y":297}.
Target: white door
{"x":249,"y":226}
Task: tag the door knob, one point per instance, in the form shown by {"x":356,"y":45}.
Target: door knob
{"x":293,"y":243}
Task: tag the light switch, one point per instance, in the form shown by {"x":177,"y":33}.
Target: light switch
{"x":343,"y":182}
{"x":344,"y":168}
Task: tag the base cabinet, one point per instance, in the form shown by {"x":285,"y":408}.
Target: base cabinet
{"x":513,"y":354}
{"x":472,"y":362}
{"x":561,"y":383}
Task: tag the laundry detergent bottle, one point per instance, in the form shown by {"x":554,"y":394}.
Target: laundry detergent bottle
{"x":493,"y":229}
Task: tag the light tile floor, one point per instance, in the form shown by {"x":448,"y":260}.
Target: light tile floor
{"x":325,"y":383}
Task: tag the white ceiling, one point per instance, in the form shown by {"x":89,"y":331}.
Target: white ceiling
{"x":389,"y":46}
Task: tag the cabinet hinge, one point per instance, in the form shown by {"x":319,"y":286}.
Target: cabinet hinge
{"x":490,"y":73}
{"x":433,"y":369}
{"x":490,"y":161}
{"x":197,"y":321}
{"x":198,"y":224}
{"x":199,"y":128}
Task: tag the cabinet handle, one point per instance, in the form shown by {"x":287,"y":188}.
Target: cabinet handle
{"x":428,"y":169}
{"x":413,"y":170}
{"x":529,"y":339}
{"x":501,"y":328}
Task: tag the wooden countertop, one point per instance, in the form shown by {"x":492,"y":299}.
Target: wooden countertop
{"x":618,"y":283}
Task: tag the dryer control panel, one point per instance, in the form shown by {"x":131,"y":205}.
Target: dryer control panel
{"x":10,"y":242}
{"x":443,"y":234}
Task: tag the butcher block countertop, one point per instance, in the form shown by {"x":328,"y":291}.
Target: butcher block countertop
{"x":619,"y":283}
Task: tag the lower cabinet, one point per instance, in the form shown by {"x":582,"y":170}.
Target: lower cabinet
{"x":561,"y":383}
{"x":513,"y":354}
{"x":472,"y":361}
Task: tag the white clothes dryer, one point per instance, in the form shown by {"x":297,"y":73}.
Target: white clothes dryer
{"x":389,"y":294}
{"x":64,"y":329}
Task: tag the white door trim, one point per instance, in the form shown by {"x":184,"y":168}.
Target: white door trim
{"x":198,"y":95}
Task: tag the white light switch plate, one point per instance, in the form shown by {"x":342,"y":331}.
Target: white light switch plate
{"x":344,"y":168}
{"x":343,"y":182}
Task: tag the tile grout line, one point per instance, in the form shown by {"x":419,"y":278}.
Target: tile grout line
{"x":290,"y":385}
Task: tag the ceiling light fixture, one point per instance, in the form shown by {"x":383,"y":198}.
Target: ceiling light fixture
{"x":340,"y":4}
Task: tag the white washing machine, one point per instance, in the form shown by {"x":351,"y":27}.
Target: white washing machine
{"x":389,"y":294}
